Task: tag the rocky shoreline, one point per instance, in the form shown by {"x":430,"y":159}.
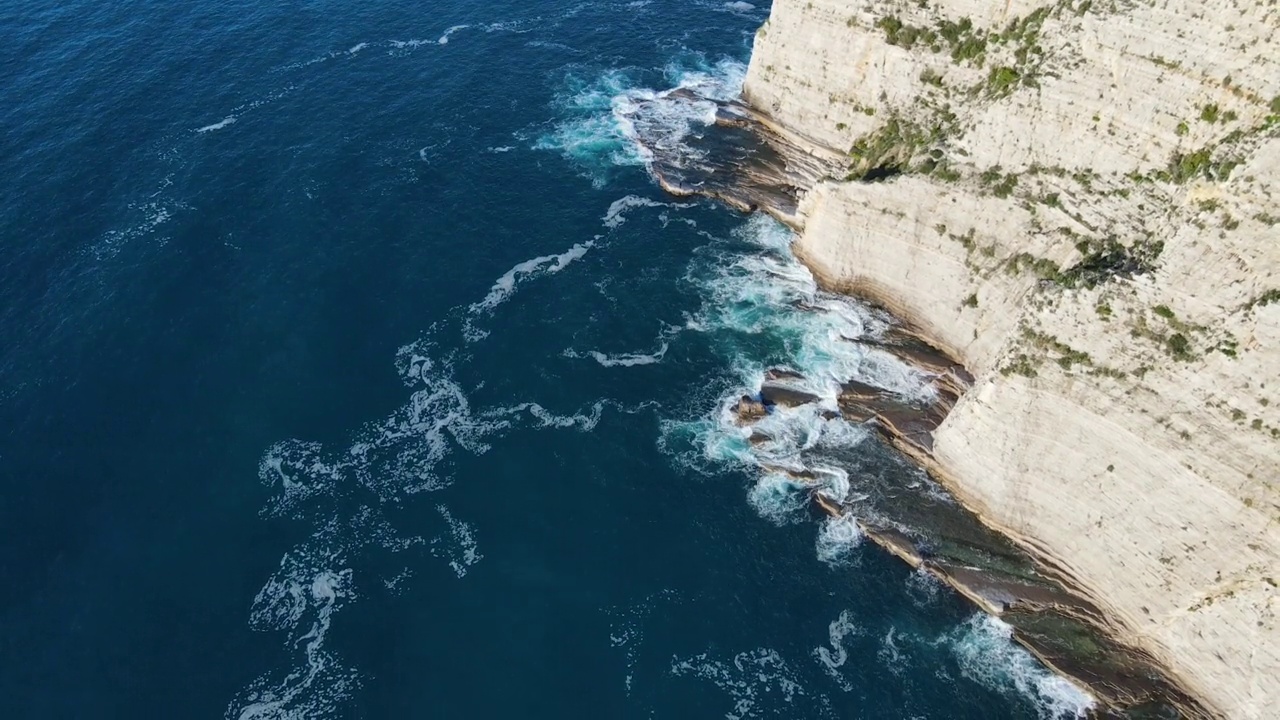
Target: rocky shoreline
{"x":752,"y":166}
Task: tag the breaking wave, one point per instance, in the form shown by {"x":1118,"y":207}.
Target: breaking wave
{"x":763,"y":308}
{"x":604,"y":120}
{"x":987,"y":654}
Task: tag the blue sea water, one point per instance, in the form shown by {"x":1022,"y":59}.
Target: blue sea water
{"x":352,"y":365}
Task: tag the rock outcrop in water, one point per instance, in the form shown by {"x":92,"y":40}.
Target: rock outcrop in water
{"x":1076,"y":200}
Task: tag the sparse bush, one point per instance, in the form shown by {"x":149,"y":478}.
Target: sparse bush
{"x":1179,"y":347}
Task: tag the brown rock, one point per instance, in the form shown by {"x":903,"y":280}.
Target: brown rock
{"x":749,"y":409}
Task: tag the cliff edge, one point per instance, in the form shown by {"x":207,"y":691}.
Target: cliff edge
{"x":1078,"y":200}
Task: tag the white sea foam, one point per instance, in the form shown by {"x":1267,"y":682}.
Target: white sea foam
{"x":630,"y":359}
{"x":505,"y":286}
{"x":923,"y":588}
{"x":765,"y":294}
{"x":609,"y":113}
{"x":444,"y":39}
{"x":740,"y":6}
{"x":584,"y":422}
{"x":779,"y":498}
{"x":890,"y":654}
{"x":837,"y":538}
{"x":408,"y":45}
{"x":299,"y":600}
{"x":459,"y":547}
{"x":833,"y":658}
{"x":357,"y":48}
{"x":388,"y":462}
{"x":224,"y":122}
{"x":987,"y":654}
{"x":502,"y":149}
{"x":151,"y":213}
{"x":626,"y":631}
{"x":616,"y":215}
{"x":750,"y":679}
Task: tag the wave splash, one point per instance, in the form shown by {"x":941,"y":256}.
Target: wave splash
{"x":604,"y":123}
{"x":763,"y":308}
{"x":987,"y":653}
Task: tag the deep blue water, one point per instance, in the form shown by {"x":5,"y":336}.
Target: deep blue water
{"x":351,"y":365}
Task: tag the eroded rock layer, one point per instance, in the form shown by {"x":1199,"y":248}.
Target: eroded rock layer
{"x":1077,"y":201}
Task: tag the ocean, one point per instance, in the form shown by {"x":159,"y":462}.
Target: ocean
{"x":352,"y":365}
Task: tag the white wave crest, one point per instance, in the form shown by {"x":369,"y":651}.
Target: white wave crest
{"x":987,"y":653}
{"x":444,"y":39}
{"x":607,"y":115}
{"x":779,"y":498}
{"x":622,"y":360}
{"x":761,"y":304}
{"x":224,"y":122}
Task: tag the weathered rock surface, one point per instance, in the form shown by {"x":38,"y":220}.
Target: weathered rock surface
{"x":1078,"y":201}
{"x":773,"y":393}
{"x":750,"y":409}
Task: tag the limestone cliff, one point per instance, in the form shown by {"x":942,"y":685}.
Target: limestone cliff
{"x":1077,"y":199}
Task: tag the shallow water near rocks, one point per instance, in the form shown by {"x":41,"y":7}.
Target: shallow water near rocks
{"x":354,"y":366}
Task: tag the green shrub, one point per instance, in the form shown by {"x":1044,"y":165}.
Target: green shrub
{"x":1001,"y":79}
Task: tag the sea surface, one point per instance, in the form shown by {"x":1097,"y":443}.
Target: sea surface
{"x":353,"y":366}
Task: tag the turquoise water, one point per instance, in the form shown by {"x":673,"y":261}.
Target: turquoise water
{"x":353,"y":366}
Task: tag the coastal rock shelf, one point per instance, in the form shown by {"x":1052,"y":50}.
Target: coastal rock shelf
{"x":738,"y":159}
{"x":921,"y":523}
{"x":1077,"y":202}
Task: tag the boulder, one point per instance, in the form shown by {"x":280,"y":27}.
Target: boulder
{"x":773,"y":394}
{"x":749,"y":409}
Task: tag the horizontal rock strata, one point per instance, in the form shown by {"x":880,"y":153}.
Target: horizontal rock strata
{"x":1078,"y":200}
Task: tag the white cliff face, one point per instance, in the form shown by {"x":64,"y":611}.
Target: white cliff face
{"x":1088,"y":215}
